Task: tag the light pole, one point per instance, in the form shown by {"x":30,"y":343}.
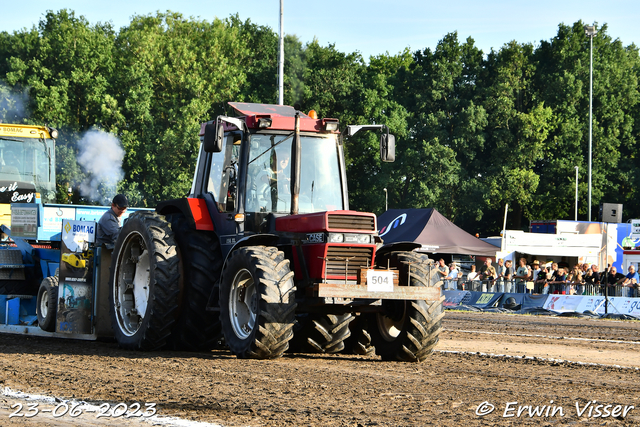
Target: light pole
{"x":281,"y":57}
{"x":590,"y":31}
{"x":386,"y":200}
{"x":576,"y":193}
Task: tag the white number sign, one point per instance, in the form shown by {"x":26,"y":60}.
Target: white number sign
{"x":379,"y":281}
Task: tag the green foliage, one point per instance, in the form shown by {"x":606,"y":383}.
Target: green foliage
{"x":474,"y":131}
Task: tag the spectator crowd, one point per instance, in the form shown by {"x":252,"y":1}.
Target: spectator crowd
{"x":549,"y":278}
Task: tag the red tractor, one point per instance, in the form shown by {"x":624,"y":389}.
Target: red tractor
{"x":265,"y":254}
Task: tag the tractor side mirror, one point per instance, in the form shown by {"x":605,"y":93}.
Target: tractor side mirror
{"x":387,"y":147}
{"x":213,"y":137}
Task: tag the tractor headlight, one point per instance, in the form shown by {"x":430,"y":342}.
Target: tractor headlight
{"x":363,"y":239}
{"x":264,"y":123}
{"x":336,"y":237}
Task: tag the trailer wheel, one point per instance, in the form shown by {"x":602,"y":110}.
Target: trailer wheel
{"x":257,"y":302}
{"x":407,"y":330}
{"x":196,"y":328}
{"x":144,"y":282}
{"x":47,"y":303}
{"x":322,"y":333}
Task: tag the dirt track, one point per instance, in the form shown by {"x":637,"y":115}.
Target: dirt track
{"x":319,"y":390}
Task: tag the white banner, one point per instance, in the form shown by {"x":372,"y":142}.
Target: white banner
{"x":580,"y":304}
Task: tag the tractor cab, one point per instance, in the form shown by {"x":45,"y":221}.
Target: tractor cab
{"x":268,"y":162}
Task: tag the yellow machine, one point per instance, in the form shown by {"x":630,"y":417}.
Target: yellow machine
{"x":27,"y":166}
{"x":74,"y":260}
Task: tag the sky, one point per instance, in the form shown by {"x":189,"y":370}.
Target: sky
{"x":371,"y":27}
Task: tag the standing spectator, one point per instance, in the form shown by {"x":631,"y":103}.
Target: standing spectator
{"x":499,"y":283}
{"x":553,"y":272}
{"x":443,"y":270}
{"x":574,"y":279}
{"x":488,"y":274}
{"x":508,"y":276}
{"x":452,"y":278}
{"x":536,"y":270}
{"x":614,"y":278}
{"x":541,"y":282}
{"x":558,"y":281}
{"x":592,"y":278}
{"x":630,"y":282}
{"x":522,"y":275}
{"x":473,"y":275}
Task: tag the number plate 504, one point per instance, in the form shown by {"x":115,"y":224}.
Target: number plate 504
{"x":379,"y":281}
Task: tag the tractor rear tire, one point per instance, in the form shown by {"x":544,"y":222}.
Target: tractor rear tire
{"x":47,"y":304}
{"x":322,"y":333}
{"x":196,"y":328}
{"x":407,"y":330}
{"x":257,"y":302}
{"x":144,"y":282}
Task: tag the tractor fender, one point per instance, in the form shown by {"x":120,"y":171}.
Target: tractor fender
{"x":194,"y":209}
{"x":397,"y":246}
{"x":263,"y":239}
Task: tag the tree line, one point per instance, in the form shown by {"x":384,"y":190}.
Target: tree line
{"x":475,"y":130}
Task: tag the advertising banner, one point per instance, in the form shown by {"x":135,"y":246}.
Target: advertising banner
{"x":580,"y":304}
{"x":24,"y":221}
{"x":484,"y":299}
{"x":534,"y":301}
{"x":75,"y":292}
{"x":453,"y":298}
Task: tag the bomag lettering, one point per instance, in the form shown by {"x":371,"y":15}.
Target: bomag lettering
{"x":83,"y":229}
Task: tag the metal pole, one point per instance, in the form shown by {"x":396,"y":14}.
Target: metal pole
{"x":576,"y":193}
{"x":590,"y":114}
{"x":386,"y":200}
{"x":281,"y":59}
{"x":504,"y":228}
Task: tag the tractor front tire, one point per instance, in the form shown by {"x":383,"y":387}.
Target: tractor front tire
{"x":144,"y":283}
{"x":47,"y":303}
{"x":360,"y":340}
{"x":407,"y":330}
{"x":322,"y":333}
{"x":257,"y":302}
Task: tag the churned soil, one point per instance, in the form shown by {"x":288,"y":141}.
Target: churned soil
{"x":545,"y":365}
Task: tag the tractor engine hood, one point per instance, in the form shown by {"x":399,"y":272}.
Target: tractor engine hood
{"x":336,"y":245}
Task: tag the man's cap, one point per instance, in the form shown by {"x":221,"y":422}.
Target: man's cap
{"x":536,"y":262}
{"x":121,"y":201}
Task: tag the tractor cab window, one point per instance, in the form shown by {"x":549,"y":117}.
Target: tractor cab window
{"x":269,"y":174}
{"x":320,"y":183}
{"x":223,"y":173}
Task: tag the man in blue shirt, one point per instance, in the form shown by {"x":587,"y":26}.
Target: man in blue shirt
{"x":631,"y":281}
{"x":109,"y":224}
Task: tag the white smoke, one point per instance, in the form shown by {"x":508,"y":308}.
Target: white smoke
{"x":13,"y":104}
{"x":100,"y":157}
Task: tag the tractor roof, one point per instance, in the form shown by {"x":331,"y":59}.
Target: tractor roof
{"x":281,"y":117}
{"x":250,"y":109}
